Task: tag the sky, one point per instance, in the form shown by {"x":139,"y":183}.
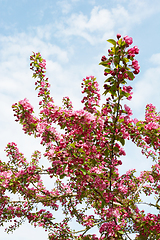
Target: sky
{"x":71,"y":35}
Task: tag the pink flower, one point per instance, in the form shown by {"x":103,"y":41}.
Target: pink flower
{"x":42,"y":84}
{"x":120,"y":76}
{"x":136,"y":50}
{"x":133,"y":51}
{"x":128,"y":110}
{"x":128,"y":40}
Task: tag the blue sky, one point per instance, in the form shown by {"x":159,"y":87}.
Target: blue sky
{"x":71,"y":35}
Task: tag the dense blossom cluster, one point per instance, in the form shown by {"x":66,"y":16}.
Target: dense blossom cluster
{"x":84,"y":158}
{"x":90,"y":87}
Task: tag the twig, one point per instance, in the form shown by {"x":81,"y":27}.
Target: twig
{"x":139,"y":188}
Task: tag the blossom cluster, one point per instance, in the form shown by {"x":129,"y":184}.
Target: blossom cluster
{"x":84,"y":158}
{"x":90,"y":87}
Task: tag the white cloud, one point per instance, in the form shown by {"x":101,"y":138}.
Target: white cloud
{"x":43,"y":32}
{"x":79,"y":25}
{"x":103,"y":22}
{"x":65,"y":6}
{"x":22,"y":45}
{"x":144,"y":8}
{"x":25,"y":232}
{"x":155,"y":59}
{"x":100,"y":20}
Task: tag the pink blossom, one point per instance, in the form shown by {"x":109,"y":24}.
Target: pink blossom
{"x":128,"y":40}
{"x":128,"y":110}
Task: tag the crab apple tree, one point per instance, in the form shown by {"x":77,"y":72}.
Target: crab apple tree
{"x":84,"y":158}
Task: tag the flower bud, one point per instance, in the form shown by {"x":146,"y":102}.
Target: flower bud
{"x":105,"y":74}
{"x":103,"y":58}
{"x":118,"y":36}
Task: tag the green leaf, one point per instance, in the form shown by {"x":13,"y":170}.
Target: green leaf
{"x":130,"y":74}
{"x":122,"y":141}
{"x":106,"y":152}
{"x":116,"y":60}
{"x":120,"y":41}
{"x":62,"y":176}
{"x":116,"y":149}
{"x":105,"y":64}
{"x":105,"y":93}
{"x":102,"y":204}
{"x":121,"y":232}
{"x":125,"y":60}
{"x":84,"y":171}
{"x":110,"y":79}
{"x":107,"y":70}
{"x":64,"y":167}
{"x":112,"y":41}
{"x":125,"y":94}
{"x":72,"y":145}
{"x":113,"y":50}
{"x":80,"y":150}
{"x":123,"y":43}
{"x":113,"y":90}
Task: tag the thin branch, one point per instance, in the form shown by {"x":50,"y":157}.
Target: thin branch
{"x":150,"y":204}
{"x":127,"y":235}
{"x":116,"y":118}
{"x":139,"y":188}
{"x":52,"y":196}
